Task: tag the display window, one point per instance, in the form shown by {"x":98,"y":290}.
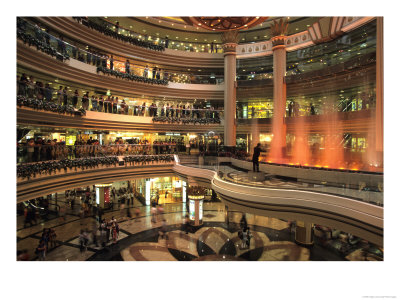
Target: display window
{"x":166,"y":189}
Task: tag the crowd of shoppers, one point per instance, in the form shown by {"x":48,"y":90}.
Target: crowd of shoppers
{"x":28,"y":87}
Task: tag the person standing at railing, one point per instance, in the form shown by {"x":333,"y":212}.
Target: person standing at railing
{"x":30,"y":150}
{"x":143,"y":111}
{"x":110,"y":105}
{"x":48,"y":92}
{"x":312,"y":109}
{"x":117,"y":27}
{"x":296,"y":109}
{"x":111,"y":63}
{"x":146,"y":71}
{"x":104,"y":61}
{"x":172,"y":111}
{"x":115,"y":105}
{"x":22,"y":85}
{"x":127,"y":67}
{"x":158,"y":74}
{"x":166,"y":42}
{"x":39,"y":90}
{"x":290,"y":108}
{"x":105,"y":104}
{"x":88,"y":57}
{"x":85,"y":101}
{"x":154,"y":73}
{"x":31,"y":87}
{"x":256,"y":154}
{"x":100,"y":104}
{"x":59,"y":95}
{"x":65,"y":96}
{"x":75,"y":98}
{"x":94,"y":103}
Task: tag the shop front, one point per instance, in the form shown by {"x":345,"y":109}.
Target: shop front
{"x":161,"y":189}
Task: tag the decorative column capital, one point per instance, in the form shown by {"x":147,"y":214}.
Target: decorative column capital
{"x":230,"y":41}
{"x":278,"y":32}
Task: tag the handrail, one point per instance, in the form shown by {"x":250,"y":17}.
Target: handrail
{"x":167,"y":43}
{"x":28,"y":89}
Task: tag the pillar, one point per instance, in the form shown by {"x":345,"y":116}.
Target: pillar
{"x":102,"y":194}
{"x":196,"y":198}
{"x":379,"y":92}
{"x":230,"y":41}
{"x":304,"y":233}
{"x":278,"y":145}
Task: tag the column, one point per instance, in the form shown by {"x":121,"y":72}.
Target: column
{"x":230,"y":41}
{"x":103,"y":195}
{"x":304,"y":233}
{"x":379,"y":92}
{"x":278,"y":145}
{"x":196,"y":199}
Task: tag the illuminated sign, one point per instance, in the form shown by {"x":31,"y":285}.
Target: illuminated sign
{"x":201,"y":210}
{"x":191,"y":210}
{"x":97,"y":196}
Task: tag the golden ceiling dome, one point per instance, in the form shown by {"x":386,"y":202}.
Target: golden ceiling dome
{"x":224,"y":23}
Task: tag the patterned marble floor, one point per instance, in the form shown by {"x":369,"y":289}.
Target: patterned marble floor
{"x":139,"y":239}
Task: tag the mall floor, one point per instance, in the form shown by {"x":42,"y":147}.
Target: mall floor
{"x":273,"y":239}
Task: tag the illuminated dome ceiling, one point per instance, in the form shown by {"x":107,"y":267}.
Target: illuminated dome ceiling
{"x":224,"y":23}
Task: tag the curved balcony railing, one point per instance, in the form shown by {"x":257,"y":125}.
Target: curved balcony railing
{"x":42,"y":96}
{"x":33,"y":152}
{"x":33,"y":35}
{"x":360,"y":192}
{"x":120,"y":32}
{"x":32,"y":170}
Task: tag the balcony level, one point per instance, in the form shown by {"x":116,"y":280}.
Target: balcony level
{"x":84,"y":74}
{"x":72,"y":29}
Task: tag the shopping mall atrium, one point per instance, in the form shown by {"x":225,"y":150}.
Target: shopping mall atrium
{"x":199,"y":138}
